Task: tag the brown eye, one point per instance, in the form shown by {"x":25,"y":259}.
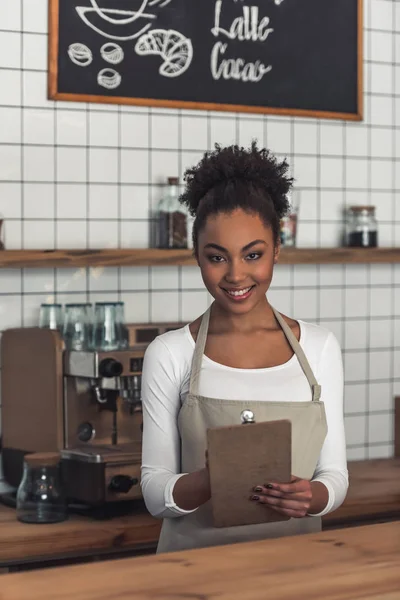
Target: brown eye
{"x":254,"y":256}
{"x":216,"y":258}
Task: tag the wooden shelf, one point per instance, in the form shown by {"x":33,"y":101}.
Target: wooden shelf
{"x":325,"y":256}
{"x":16,"y":259}
{"x":94,"y":258}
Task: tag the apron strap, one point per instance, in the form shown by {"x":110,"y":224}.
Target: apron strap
{"x":198,"y":353}
{"x":301,"y":357}
{"x":291,"y":338}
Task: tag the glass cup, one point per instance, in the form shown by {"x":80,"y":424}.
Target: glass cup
{"x":124,"y":332}
{"x":107,"y":332}
{"x":78,"y":327}
{"x":51,"y":316}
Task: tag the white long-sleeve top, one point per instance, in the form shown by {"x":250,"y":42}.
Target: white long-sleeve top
{"x":165,"y":385}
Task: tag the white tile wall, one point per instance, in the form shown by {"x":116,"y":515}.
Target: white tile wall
{"x":50,"y":152}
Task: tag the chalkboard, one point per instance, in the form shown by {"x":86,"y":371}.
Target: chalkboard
{"x":296,"y":57}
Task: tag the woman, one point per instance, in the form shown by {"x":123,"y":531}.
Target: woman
{"x":241,"y":354}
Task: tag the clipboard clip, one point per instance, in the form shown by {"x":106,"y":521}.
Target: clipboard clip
{"x":247,"y":416}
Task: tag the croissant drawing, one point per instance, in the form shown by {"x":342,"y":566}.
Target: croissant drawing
{"x":175,"y":49}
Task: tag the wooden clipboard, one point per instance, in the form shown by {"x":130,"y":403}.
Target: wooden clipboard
{"x":241,"y":457}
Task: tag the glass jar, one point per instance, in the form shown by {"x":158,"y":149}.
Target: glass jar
{"x":40,"y":496}
{"x":362,"y":227}
{"x":172,"y":218}
{"x":288,"y":224}
{"x":288,"y":230}
{"x":2,"y":243}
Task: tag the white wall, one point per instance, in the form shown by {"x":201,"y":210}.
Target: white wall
{"x":87,"y":176}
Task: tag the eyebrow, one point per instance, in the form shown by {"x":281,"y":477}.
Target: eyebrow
{"x":244,"y":249}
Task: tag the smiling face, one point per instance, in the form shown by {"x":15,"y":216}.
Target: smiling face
{"x":236,"y":254}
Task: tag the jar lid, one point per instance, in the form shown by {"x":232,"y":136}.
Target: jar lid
{"x":42,"y":459}
{"x":362,"y":208}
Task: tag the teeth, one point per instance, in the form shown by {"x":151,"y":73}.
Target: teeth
{"x":239,"y":292}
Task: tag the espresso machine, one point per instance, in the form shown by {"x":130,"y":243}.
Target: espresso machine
{"x":85,"y":405}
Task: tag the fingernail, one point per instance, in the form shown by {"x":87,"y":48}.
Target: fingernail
{"x":258,"y":489}
{"x":269,"y":486}
{"x":255,"y":497}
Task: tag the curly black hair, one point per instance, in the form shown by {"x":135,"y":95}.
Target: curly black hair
{"x":234,"y":177}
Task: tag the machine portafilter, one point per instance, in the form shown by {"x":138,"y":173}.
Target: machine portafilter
{"x":111,"y":386}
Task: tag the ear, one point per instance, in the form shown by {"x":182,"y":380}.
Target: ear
{"x":277,"y":251}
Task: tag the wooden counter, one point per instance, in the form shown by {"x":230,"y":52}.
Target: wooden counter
{"x":360,"y":563}
{"x":374,"y":494}
{"x":76,"y":538}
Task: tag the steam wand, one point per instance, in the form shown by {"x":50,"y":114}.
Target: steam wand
{"x":108,"y":401}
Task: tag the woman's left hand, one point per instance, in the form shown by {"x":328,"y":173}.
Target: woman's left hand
{"x":291,"y":499}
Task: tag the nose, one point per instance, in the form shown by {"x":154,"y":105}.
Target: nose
{"x":236,"y":272}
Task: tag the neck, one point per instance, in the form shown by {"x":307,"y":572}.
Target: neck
{"x":261,"y":316}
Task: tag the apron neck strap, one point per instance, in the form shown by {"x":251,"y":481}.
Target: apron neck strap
{"x":291,"y":338}
{"x":301,"y":357}
{"x":198,"y":353}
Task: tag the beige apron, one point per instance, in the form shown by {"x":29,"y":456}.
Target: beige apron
{"x":198,"y":413}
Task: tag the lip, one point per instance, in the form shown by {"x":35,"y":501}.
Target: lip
{"x":238,"y":298}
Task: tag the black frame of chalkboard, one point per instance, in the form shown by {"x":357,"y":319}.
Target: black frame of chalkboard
{"x":54,"y":94}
